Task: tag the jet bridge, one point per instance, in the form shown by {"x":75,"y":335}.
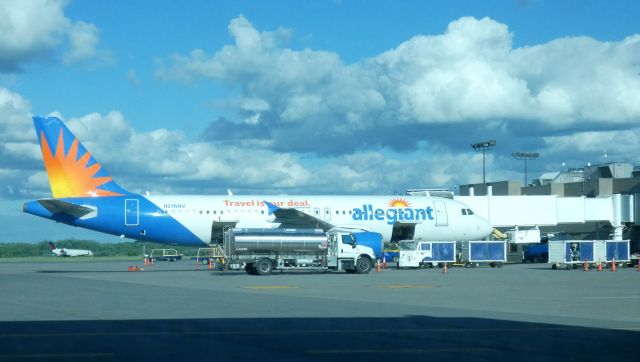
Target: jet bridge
{"x":553,"y":211}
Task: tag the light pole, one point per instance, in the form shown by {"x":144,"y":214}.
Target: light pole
{"x":483,"y":146}
{"x":525,"y":156}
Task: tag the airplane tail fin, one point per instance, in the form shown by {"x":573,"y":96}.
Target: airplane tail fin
{"x":52,"y":245}
{"x":72,"y":170}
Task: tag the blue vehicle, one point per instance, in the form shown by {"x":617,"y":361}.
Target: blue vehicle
{"x":535,"y":253}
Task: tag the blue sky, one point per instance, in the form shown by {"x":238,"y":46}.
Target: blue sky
{"x":327,"y":97}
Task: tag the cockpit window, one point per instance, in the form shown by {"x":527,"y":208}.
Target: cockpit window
{"x":469,"y":212}
{"x":464,"y":211}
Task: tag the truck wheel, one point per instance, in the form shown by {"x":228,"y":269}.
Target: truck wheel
{"x":363,"y":265}
{"x":264,"y":266}
{"x":205,"y":261}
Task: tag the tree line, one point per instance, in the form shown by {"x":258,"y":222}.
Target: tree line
{"x":22,"y":250}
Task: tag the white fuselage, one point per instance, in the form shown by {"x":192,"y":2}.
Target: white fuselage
{"x":71,"y":252}
{"x":434,"y":218}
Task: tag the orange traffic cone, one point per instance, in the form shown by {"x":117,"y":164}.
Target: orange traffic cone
{"x":613,"y":266}
{"x":586,"y":266}
{"x":210,"y":263}
{"x":599,"y":266}
{"x":384,"y":262}
{"x":378,"y":266}
{"x":445,"y":269}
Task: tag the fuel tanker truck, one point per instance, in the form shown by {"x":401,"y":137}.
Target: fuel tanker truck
{"x":261,"y":251}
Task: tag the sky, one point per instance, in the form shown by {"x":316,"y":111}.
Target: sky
{"x":313,"y":96}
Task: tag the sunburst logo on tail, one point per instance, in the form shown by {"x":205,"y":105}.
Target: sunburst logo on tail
{"x":397,"y":202}
{"x":70,"y":176}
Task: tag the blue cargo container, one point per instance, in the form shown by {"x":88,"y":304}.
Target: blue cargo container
{"x":476,"y":252}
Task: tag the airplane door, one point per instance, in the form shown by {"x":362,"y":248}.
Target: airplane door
{"x":131,"y":212}
{"x":327,"y":214}
{"x":441,"y":213}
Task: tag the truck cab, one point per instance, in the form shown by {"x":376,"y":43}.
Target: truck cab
{"x":344,"y":253}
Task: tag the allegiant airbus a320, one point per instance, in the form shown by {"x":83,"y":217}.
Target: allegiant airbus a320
{"x":84,"y":195}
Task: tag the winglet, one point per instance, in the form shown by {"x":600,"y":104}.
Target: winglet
{"x":271,"y":207}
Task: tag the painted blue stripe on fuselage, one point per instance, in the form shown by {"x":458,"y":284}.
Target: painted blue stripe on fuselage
{"x":154,"y":225}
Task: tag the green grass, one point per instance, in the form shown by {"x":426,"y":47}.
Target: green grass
{"x":55,"y":259}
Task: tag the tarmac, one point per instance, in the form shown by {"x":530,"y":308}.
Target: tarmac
{"x":98,"y":310}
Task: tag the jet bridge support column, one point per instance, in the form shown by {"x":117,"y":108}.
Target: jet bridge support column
{"x":622,"y":207}
{"x":617,"y":232}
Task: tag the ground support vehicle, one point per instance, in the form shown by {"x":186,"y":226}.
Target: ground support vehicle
{"x":165,"y":255}
{"x":477,"y":252}
{"x":261,"y":251}
{"x":425,"y":254}
{"x":571,"y":254}
{"x":391,"y":255}
{"x":535,"y":253}
{"x":212,"y":255}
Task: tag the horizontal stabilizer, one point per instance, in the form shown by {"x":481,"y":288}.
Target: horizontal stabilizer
{"x":56,"y":206}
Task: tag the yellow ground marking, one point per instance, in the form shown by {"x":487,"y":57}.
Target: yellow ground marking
{"x":271,"y":287}
{"x":404,"y":286}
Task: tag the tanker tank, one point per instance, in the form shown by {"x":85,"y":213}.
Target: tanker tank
{"x":279,"y":241}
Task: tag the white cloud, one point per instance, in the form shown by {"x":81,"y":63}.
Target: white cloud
{"x":84,"y":39}
{"x":469,"y":74}
{"x":620,"y":145}
{"x":15,"y":117}
{"x":35,"y":28}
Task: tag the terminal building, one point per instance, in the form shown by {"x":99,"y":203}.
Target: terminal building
{"x":590,"y":181}
{"x":595,"y":202}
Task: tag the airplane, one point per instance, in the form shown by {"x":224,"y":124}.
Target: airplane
{"x":69,"y":252}
{"x":84,"y":195}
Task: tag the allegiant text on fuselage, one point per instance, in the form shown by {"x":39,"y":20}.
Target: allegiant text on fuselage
{"x":391,"y":215}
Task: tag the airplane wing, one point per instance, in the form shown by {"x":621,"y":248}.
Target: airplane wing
{"x":296,"y":219}
{"x":57,"y":206}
